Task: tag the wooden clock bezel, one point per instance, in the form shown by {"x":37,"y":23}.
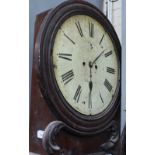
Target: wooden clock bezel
{"x":78,"y":123}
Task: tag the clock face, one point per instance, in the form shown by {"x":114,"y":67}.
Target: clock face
{"x":85,"y":65}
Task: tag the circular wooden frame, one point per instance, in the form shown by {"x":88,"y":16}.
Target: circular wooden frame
{"x":78,"y":123}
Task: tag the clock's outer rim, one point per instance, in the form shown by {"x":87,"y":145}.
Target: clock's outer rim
{"x":79,"y":124}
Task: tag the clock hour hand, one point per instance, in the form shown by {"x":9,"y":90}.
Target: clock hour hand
{"x":98,"y":57}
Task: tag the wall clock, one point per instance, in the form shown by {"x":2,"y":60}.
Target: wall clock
{"x":78,"y":65}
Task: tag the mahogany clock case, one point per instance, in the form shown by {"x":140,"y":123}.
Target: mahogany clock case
{"x":45,"y":96}
{"x":78,"y":123}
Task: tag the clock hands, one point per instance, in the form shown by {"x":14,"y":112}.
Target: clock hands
{"x":90,"y":86}
{"x":90,"y":82}
{"x":98,"y":57}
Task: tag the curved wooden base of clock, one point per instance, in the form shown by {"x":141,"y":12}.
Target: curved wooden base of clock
{"x":53,"y":129}
{"x":114,"y":137}
{"x":49,"y":137}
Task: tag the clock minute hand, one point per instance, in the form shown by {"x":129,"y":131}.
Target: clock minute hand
{"x":90,"y":91}
{"x":90,"y":86}
{"x":98,"y":57}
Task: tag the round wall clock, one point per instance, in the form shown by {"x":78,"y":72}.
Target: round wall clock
{"x":79,"y":66}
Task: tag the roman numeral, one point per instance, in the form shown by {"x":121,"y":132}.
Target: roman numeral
{"x":67,"y":77}
{"x":108,"y":53}
{"x":91,"y":29}
{"x":101,"y":98}
{"x":101,"y":39}
{"x":79,"y":28}
{"x":69,"y":38}
{"x":108,"y":85}
{"x":110,"y":70}
{"x":65,"y":56}
{"x":77,"y":94}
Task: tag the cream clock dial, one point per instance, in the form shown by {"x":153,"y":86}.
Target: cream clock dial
{"x":86,"y":66}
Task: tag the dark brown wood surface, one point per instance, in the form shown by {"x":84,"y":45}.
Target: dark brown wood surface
{"x":40,"y":116}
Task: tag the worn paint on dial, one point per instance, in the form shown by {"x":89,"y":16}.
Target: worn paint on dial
{"x":83,"y":48}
